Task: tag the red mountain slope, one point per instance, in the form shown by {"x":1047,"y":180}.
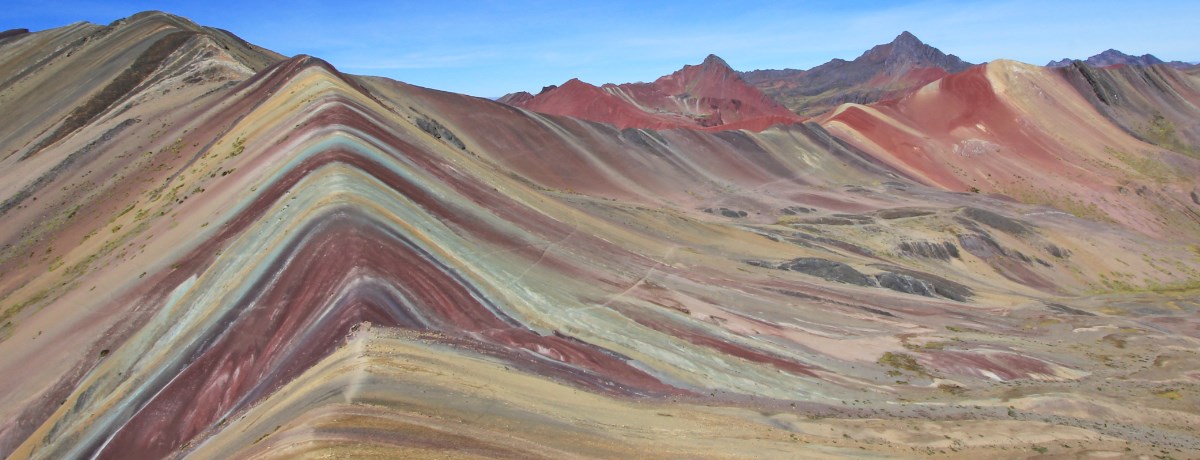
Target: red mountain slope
{"x":1026,"y":132}
{"x":707,"y":96}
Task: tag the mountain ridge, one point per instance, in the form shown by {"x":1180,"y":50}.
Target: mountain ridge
{"x":1112,"y":57}
{"x":709,"y":95}
{"x":887,"y":70}
{"x":241,"y":255}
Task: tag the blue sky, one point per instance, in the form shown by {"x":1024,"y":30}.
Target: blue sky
{"x":489,"y":48}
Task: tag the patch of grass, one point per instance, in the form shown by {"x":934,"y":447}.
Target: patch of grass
{"x":1115,"y":340}
{"x":787,"y":220}
{"x":124,"y":212}
{"x":239,"y":146}
{"x":1171,"y":394}
{"x":81,"y":267}
{"x":1161,"y":132}
{"x":962,"y":329}
{"x":1145,"y":165}
{"x":902,"y":361}
{"x":935,"y":345}
{"x":13,"y":310}
{"x":952,"y":389}
{"x":1069,"y":204}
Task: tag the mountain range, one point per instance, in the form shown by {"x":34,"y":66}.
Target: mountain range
{"x":708,"y":95}
{"x":884,"y":71}
{"x":212,"y":250}
{"x":1113,"y":57}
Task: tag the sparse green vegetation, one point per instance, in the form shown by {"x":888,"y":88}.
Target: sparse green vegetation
{"x":955,"y":390}
{"x":1161,"y":132}
{"x":902,"y":361}
{"x":1171,"y":394}
{"x":13,"y":310}
{"x":239,"y":146}
{"x":1078,"y":208}
{"x":124,"y":212}
{"x":1144,"y":164}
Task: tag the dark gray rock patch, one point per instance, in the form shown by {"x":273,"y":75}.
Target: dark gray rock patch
{"x":941,"y":287}
{"x":730,"y":213}
{"x":998,"y":222}
{"x":796,"y":210}
{"x":906,"y":284}
{"x":1068,"y":310}
{"x":903,"y":213}
{"x":943,"y":250}
{"x":828,"y":270}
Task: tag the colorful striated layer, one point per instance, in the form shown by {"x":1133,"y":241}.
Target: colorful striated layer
{"x":281,"y":260}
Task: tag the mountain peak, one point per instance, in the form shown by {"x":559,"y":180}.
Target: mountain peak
{"x":907,"y":37}
{"x":907,"y":51}
{"x":886,"y":70}
{"x":711,"y":65}
{"x":574,"y":82}
{"x":709,"y":95}
{"x":1112,"y":57}
{"x":714,"y":60}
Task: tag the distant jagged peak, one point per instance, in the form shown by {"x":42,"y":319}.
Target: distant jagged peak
{"x":1112,"y":57}
{"x":711,"y":65}
{"x":573,"y":84}
{"x":713,"y":60}
{"x":517,"y":98}
{"x":907,"y":37}
{"x":708,"y":95}
{"x":906,"y":41}
{"x":714,"y":78}
{"x":572,"y":88}
{"x":907,"y":51}
{"x":1060,"y":63}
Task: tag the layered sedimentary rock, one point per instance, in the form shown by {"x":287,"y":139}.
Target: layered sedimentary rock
{"x":214,"y":251}
{"x":1157,"y":104}
{"x":1037,"y":135}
